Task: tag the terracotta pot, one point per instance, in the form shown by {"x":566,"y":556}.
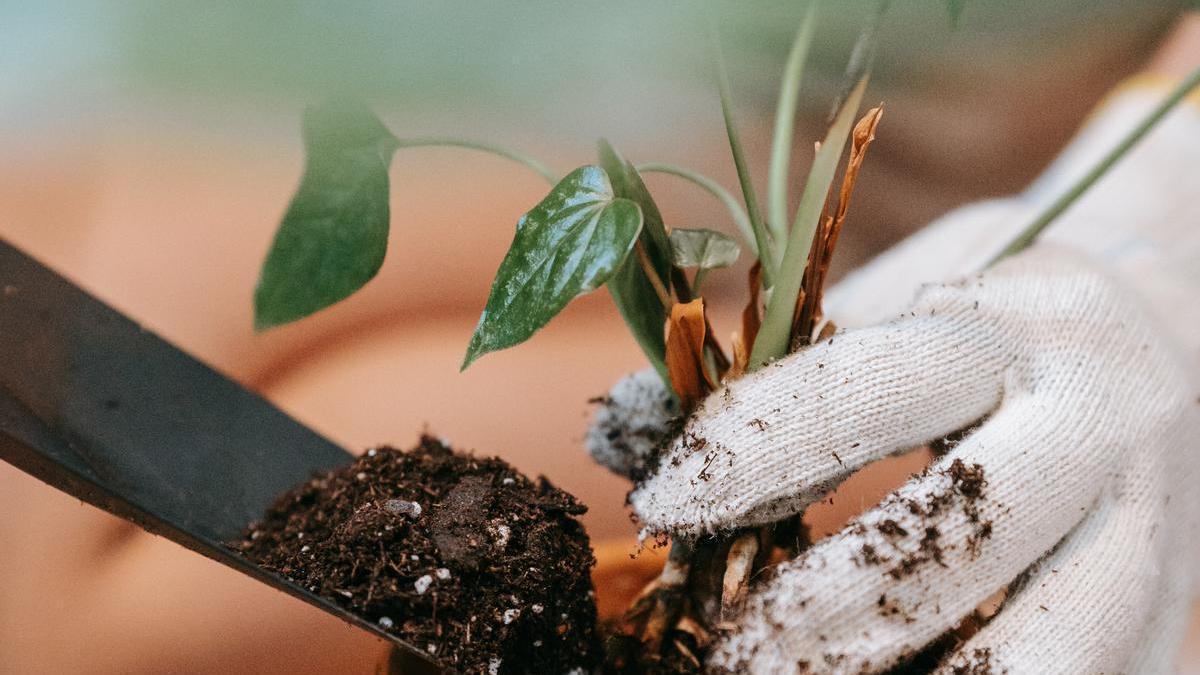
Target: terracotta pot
{"x":620,"y":575}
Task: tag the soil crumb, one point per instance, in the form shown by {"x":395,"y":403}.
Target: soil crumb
{"x":461,"y":556}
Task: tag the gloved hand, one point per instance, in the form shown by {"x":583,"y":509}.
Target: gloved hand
{"x":1075,"y":367}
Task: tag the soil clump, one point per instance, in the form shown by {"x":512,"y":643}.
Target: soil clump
{"x":462,"y":556}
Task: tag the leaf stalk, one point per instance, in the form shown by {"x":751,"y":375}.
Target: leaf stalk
{"x":660,"y":290}
{"x":1056,"y":208}
{"x":517,"y":156}
{"x":736,"y":212}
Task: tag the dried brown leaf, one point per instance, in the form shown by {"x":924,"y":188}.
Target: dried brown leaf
{"x":741,"y":357}
{"x":751,"y":322}
{"x":861,"y":137}
{"x":809,"y":310}
{"x":827,"y":331}
{"x":752,"y":314}
{"x":687,"y":329}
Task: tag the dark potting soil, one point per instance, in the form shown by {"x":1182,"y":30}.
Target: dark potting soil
{"x":459,"y":555}
{"x":625,"y":655}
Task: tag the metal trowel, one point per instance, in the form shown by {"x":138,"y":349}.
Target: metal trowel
{"x":96,"y":406}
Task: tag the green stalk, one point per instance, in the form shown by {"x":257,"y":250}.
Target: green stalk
{"x":774,"y":336}
{"x":785,"y":120}
{"x":712,"y":187}
{"x":1064,"y":202}
{"x":761,"y":237}
{"x":490,"y":148}
{"x":862,"y":56}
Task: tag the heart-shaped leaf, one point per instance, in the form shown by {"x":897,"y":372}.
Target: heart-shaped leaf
{"x":705,"y":249}
{"x":334,"y":234}
{"x":631,"y":290}
{"x":569,"y":244}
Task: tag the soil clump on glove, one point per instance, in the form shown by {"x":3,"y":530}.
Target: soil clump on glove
{"x":966,"y":488}
{"x":461,"y":555}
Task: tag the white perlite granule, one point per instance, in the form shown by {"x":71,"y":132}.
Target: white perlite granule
{"x":403,"y":508}
{"x":423,"y":584}
{"x":501,"y":532}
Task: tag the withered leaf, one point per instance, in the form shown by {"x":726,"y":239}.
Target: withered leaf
{"x":741,"y":357}
{"x":809,"y":303}
{"x":751,"y":322}
{"x":686,"y":332}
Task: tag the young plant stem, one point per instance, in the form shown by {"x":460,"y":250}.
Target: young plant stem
{"x":774,"y":337}
{"x":785,"y":120}
{"x":762,"y":238}
{"x":698,"y":278}
{"x":661,"y":291}
{"x":861,"y":56}
{"x":740,"y":219}
{"x":490,"y":148}
{"x":679,"y":282}
{"x":1064,"y":201}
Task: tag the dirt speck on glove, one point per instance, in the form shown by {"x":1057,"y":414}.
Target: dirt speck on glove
{"x":966,"y":489}
{"x":462,"y":556}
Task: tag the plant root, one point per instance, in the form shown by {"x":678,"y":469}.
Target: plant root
{"x":659,"y":606}
{"x":739,"y":565}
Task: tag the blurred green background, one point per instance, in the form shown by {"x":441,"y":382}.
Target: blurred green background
{"x":563,"y":70}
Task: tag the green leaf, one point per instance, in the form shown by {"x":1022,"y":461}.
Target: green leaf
{"x":627,"y":183}
{"x":631,"y":291}
{"x":785,"y":120}
{"x":334,"y":234}
{"x":762,"y":238}
{"x":774,"y":336}
{"x":704,"y":249}
{"x":569,"y":244}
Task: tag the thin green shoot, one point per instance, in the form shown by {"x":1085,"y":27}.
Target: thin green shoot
{"x":736,"y":212}
{"x":785,"y":120}
{"x":862,"y":56}
{"x":1064,"y":202}
{"x":774,"y":337}
{"x":515,"y":155}
{"x":762,"y":238}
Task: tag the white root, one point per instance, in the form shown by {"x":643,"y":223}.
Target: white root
{"x":739,"y":564}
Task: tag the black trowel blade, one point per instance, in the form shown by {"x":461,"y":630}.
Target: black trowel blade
{"x":106,"y":411}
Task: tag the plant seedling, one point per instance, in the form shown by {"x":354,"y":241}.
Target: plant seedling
{"x":598,"y":227}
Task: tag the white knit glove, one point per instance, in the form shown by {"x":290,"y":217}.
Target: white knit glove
{"x":1076,"y":366}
